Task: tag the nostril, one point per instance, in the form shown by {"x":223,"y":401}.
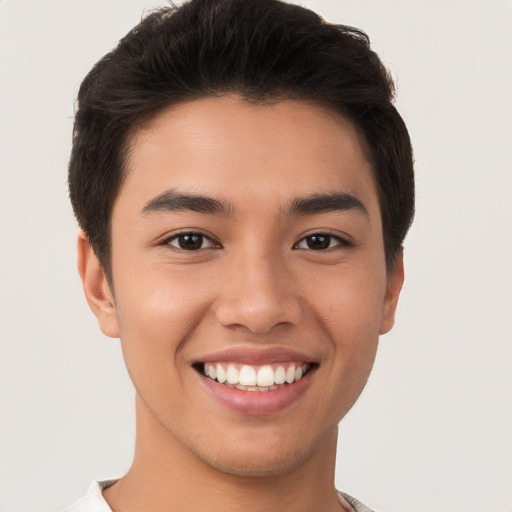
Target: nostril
{"x":259,"y":305}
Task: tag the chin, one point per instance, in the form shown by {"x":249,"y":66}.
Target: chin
{"x":262,"y":457}
{"x":250,"y":465}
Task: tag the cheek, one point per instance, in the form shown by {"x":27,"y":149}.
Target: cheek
{"x":156,"y":314}
{"x":350,"y":303}
{"x":350,"y":309}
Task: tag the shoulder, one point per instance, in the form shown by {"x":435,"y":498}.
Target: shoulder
{"x":93,"y":501}
{"x":357,"y":505}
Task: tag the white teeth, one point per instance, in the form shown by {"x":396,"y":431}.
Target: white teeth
{"x":221,"y":374}
{"x":256,"y":388}
{"x":265,"y":376}
{"x":211,"y":372}
{"x":247,"y":376}
{"x":290,"y":374}
{"x":232,"y":375}
{"x":280,"y":375}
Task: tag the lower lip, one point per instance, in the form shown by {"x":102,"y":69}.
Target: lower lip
{"x":256,"y":403}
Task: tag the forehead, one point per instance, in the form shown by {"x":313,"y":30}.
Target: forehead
{"x":243,"y":152}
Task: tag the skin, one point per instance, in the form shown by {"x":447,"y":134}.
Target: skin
{"x":254,"y":282}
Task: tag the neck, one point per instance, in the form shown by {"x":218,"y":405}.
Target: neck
{"x":165,"y":476}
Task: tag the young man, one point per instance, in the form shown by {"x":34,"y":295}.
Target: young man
{"x":244,"y":186}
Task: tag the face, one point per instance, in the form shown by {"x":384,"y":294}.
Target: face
{"x":249,"y":279}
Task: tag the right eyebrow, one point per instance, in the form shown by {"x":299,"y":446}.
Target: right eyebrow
{"x":172,"y":201}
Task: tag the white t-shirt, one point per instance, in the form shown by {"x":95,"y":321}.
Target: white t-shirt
{"x":94,"y":501}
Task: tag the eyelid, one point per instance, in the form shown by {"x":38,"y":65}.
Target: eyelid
{"x":343,"y":240}
{"x":175,"y":235}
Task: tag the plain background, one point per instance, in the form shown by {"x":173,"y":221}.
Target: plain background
{"x":432,"y":431}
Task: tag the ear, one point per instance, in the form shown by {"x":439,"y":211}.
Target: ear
{"x":96,"y":288}
{"x":393,"y":288}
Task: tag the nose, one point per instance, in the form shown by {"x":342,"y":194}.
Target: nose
{"x":259,"y":294}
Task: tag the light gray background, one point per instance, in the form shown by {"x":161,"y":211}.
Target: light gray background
{"x":432,"y":431}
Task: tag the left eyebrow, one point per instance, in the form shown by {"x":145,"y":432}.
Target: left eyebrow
{"x":323,"y":203}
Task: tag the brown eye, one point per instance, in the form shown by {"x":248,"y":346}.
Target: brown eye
{"x":319,"y":242}
{"x":190,"y":241}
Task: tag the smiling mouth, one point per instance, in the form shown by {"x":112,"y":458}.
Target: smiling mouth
{"x":245,"y":377}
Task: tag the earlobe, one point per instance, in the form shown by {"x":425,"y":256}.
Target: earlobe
{"x":96,"y":288}
{"x":393,"y":288}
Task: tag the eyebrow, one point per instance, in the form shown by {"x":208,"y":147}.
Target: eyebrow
{"x":323,"y":203}
{"x":172,"y":201}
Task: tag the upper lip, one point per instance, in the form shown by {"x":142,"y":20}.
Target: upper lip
{"x":253,"y":355}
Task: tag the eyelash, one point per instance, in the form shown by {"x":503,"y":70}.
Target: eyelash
{"x":197,"y":234}
{"x":340,"y":241}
